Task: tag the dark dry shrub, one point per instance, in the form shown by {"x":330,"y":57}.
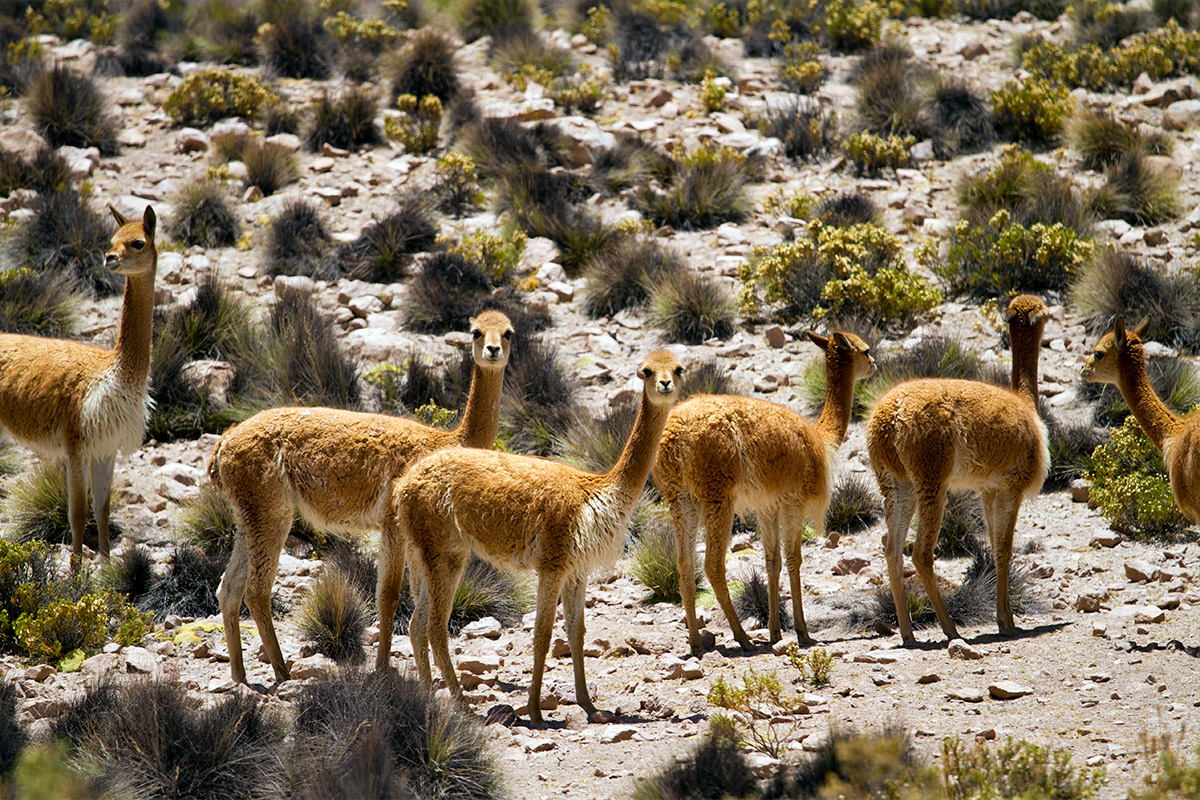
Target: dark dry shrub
{"x":203,"y":216}
{"x":540,"y":400}
{"x":298,"y":242}
{"x":280,"y":117}
{"x":541,"y":203}
{"x":294,"y":42}
{"x":596,"y":444}
{"x":131,"y":573}
{"x":41,"y":303}
{"x":207,"y":521}
{"x":888,"y":102}
{"x":528,"y":50}
{"x":1007,"y":9}
{"x":311,"y":366}
{"x":1138,"y":191}
{"x":1030,"y":190}
{"x":653,"y":562}
{"x":487,"y":591}
{"x":380,"y":734}
{"x":1116,"y":282}
{"x":848,"y":208}
{"x":148,"y":738}
{"x":624,"y":165}
{"x":702,"y":191}
{"x":36,"y":508}
{"x":449,"y":290}
{"x":346,"y":122}
{"x":708,"y":376}
{"x":623,"y":275}
{"x":68,"y":108}
{"x":962,"y":526}
{"x":1071,"y":447}
{"x":1185,"y":12}
{"x":269,"y":166}
{"x":1173,"y":379}
{"x":425,"y":66}
{"x":65,"y":236}
{"x":853,"y":506}
{"x":639,"y":42}
{"x":692,"y":308}
{"x":1102,"y":139}
{"x":384,"y":247}
{"x":751,"y":600}
{"x":499,"y":19}
{"x":12,"y":735}
{"x":188,"y":587}
{"x":806,"y":128}
{"x":46,"y":172}
{"x":1105,"y":25}
{"x":334,"y":618}
{"x":229,"y":29}
{"x":503,"y":146}
{"x":717,"y":768}
{"x":961,"y":116}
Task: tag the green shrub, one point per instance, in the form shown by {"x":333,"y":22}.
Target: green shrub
{"x":36,"y":508}
{"x":1102,"y":139}
{"x":872,"y":154}
{"x":1029,"y":189}
{"x":1032,"y":111}
{"x":1131,"y":488}
{"x":852,"y":26}
{"x":1138,"y":191}
{"x":1016,"y":769}
{"x":691,"y":308}
{"x":458,"y":183}
{"x":208,"y":95}
{"x":72,"y":19}
{"x":1161,"y":54}
{"x":41,"y":303}
{"x":418,"y":124}
{"x":768,"y":711}
{"x":499,"y":255}
{"x":579,"y":93}
{"x":807,"y":129}
{"x":831,"y":271}
{"x":702,"y":189}
{"x":800,"y":68}
{"x":1176,"y":776}
{"x":654,"y":564}
{"x":1000,"y":258}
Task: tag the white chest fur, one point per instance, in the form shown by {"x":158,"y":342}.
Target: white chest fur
{"x":113,"y":417}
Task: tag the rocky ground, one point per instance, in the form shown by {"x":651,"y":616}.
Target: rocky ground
{"x":1096,"y":668}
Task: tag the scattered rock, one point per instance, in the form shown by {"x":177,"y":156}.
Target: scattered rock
{"x":1182,"y":116}
{"x":1140,"y":571}
{"x":503,"y":714}
{"x":1106,"y":538}
{"x":480,"y":664}
{"x":1081,"y":491}
{"x":617,"y":733}
{"x":851,"y":564}
{"x":314,"y":666}
{"x":1088,"y":602}
{"x":1008,"y":690}
{"x":139,"y":659}
{"x":486,"y":628}
{"x":960,"y":649}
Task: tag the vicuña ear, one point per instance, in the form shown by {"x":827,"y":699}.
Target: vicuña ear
{"x":842,"y":341}
{"x":1142,"y":326}
{"x":149,"y":221}
{"x":817,"y":339}
{"x":1009,"y":316}
{"x":117,"y":214}
{"x":1119,"y":331}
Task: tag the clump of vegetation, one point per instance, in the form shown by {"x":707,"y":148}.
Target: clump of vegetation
{"x":853,"y":25}
{"x":847,"y":209}
{"x":692,"y":308}
{"x":872,"y":154}
{"x":1102,"y":139}
{"x":623,"y":275}
{"x":806,"y":128}
{"x":500,"y":19}
{"x":1007,"y":9}
{"x":1029,"y":189}
{"x":417,"y":125}
{"x":425,"y":66}
{"x":716,"y":768}
{"x":751,"y":600}
{"x":1162,"y":53}
{"x":853,"y":506}
{"x":149,"y":737}
{"x":888,"y":104}
{"x":360,"y":42}
{"x":1004,"y":258}
{"x":382,"y":734}
{"x":540,"y":399}
{"x":66,"y":237}
{"x":188,"y":587}
{"x":1016,"y":768}
{"x":458,"y":183}
{"x":1138,"y":191}
{"x":1131,"y":488}
{"x":298,"y":242}
{"x":542,"y":203}
{"x":498,"y":255}
{"x":1176,"y":774}
{"x":768,"y":712}
{"x":269,"y":166}
{"x":962,"y":118}
{"x":800,"y":69}
{"x":40,"y":303}
{"x":700,"y":189}
{"x":334,"y":617}
{"x":280,"y":117}
{"x":46,"y":173}
{"x":293,"y":41}
{"x":648,"y":47}
{"x":207,"y":521}
{"x":36,"y":508}
{"x":347,"y":121}
{"x":1033,"y":111}
{"x":1071,"y":447}
{"x":203,"y":216}
{"x":831,"y":271}
{"x":449,"y":291}
{"x":68,"y":109}
{"x":382,"y":249}
{"x":654,"y":564}
{"x":962,"y":526}
{"x":208,"y":95}
{"x":309,"y":365}
{"x":815,"y":666}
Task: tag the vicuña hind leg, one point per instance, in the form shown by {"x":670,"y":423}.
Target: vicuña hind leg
{"x":549,"y":588}
{"x":1001,"y":516}
{"x":898,"y":507}
{"x":102,"y":472}
{"x":718,"y":527}
{"x":687,"y":519}
{"x":929,"y":523}
{"x":792,"y":536}
{"x":574,"y":593}
{"x":387,"y":587}
{"x":442,"y":573}
{"x":769,"y":523}
{"x":266,"y":525}
{"x":229,"y":596}
{"x":76,"y":507}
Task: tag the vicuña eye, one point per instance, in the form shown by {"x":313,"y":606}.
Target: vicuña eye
{"x":477,"y":333}
{"x":138,"y":244}
{"x":508,"y":334}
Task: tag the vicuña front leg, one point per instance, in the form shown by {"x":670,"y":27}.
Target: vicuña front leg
{"x":76,"y":507}
{"x":573,"y":595}
{"x":102,"y":473}
{"x":792,"y":537}
{"x":548,"y":591}
{"x":441,"y":581}
{"x":770,"y":540}
{"x":1002,"y":524}
{"x":687,"y":520}
{"x":387,"y":591}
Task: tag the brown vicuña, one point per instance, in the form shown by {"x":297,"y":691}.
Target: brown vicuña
{"x":522,"y":512}
{"x":81,"y":403}
{"x":724,"y":454}
{"x":337,"y":468}
{"x":1120,"y":358}
{"x":931,"y":435}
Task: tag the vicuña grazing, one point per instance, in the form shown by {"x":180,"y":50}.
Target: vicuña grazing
{"x":928,"y":436}
{"x":1120,"y":358}
{"x":723,"y":454}
{"x":74,"y":401}
{"x":522,"y":512}
{"x":337,"y":468}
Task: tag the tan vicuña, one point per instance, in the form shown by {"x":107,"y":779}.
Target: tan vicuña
{"x":336,"y":467}
{"x":81,"y":403}
{"x":724,"y":454}
{"x":521,"y":512}
{"x":1120,"y":358}
{"x":931,"y":435}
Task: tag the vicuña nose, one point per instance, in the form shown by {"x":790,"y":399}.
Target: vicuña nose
{"x":664,"y":386}
{"x":492,"y":350}
{"x":111,"y":260}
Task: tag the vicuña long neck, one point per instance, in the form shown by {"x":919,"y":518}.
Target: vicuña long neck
{"x":1151,"y":413}
{"x":1026,"y":346}
{"x":632,"y":468}
{"x":481,"y":418}
{"x":839,"y":400}
{"x":132,"y":350}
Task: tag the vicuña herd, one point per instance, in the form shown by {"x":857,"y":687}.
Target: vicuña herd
{"x":438,"y":497}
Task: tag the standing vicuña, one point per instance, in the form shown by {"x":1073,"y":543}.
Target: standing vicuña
{"x":521,"y":512}
{"x":928,"y":436}
{"x":78,"y":402}
{"x":336,"y":467}
{"x":1120,"y":358}
{"x":722,"y":454}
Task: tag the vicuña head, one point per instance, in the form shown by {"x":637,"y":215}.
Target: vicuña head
{"x":336,"y":467}
{"x":520,"y":512}
{"x":133,"y":251}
